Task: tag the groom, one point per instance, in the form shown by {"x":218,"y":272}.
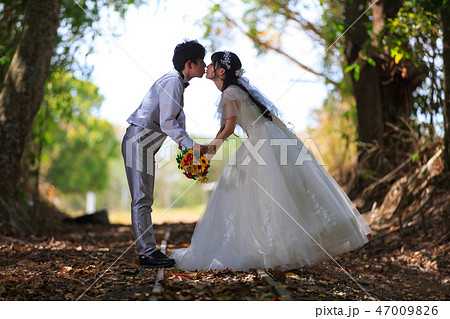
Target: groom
{"x":159,"y":115}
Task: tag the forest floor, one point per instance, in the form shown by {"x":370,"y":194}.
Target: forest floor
{"x":99,"y":262}
{"x":406,"y":258}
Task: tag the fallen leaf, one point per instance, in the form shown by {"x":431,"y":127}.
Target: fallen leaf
{"x":268,"y":296}
{"x":26,"y":263}
{"x":313,"y":288}
{"x":66,"y":269}
{"x":292,"y":275}
{"x":69,"y":296}
{"x":225,"y":298}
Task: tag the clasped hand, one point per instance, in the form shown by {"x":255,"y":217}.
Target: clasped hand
{"x":205,"y":149}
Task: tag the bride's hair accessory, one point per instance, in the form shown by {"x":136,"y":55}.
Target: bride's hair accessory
{"x":226,"y":60}
{"x":239,"y":72}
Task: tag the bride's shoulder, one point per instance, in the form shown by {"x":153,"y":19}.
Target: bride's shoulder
{"x":234,"y":92}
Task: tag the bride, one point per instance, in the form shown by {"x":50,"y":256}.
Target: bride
{"x":273,"y":206}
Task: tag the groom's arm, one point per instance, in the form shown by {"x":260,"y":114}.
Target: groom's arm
{"x":169,"y":109}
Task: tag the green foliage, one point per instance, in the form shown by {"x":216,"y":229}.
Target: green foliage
{"x":80,"y":156}
{"x":77,"y":30}
{"x":75,"y":145}
{"x":412,"y":37}
{"x":415,"y":34}
{"x":356,"y":68}
{"x":263,"y":22}
{"x":66,"y":99}
{"x":11,"y":16}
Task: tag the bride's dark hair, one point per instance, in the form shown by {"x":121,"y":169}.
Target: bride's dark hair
{"x":230,"y":68}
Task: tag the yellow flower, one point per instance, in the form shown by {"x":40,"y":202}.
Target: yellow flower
{"x":204,"y":162}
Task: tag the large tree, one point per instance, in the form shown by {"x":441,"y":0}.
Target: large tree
{"x":445,"y":16}
{"x":384,"y":88}
{"x":23,"y":86}
{"x":32,"y":45}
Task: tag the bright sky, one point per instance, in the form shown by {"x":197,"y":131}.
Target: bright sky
{"x":124,"y":69}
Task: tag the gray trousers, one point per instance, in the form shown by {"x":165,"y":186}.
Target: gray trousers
{"x":139,"y":146}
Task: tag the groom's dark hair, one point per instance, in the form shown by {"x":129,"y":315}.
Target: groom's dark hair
{"x":188,"y":50}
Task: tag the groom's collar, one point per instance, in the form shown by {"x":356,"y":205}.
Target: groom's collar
{"x":183,"y":79}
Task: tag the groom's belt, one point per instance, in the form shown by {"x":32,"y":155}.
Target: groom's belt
{"x":150,"y":126}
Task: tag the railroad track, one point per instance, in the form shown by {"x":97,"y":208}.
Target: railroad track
{"x":281,"y":292}
{"x":157,"y":288}
{"x":262,"y":273}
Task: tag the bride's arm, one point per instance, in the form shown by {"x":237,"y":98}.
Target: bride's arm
{"x":224,"y":132}
{"x":230,"y":114}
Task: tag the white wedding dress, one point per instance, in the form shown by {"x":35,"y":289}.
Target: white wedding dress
{"x":269,"y":210}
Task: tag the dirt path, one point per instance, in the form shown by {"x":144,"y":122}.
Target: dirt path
{"x":93,"y":263}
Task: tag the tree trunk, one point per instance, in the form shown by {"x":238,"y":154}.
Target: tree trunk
{"x":397,"y":83}
{"x":365,"y":89}
{"x":384,"y":92}
{"x":445,"y":17}
{"x":369,"y":107}
{"x":23,"y":87}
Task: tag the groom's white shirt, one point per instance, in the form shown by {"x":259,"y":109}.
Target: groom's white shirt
{"x":161,"y":109}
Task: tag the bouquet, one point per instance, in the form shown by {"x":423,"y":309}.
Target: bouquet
{"x":185,"y":162}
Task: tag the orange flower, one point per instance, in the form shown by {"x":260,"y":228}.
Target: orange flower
{"x":194,"y":171}
{"x":184,"y":163}
{"x":203,"y":179}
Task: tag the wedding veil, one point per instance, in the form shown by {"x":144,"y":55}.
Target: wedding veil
{"x":261,"y":98}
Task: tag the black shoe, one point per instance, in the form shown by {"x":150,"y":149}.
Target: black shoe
{"x":156,"y":260}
